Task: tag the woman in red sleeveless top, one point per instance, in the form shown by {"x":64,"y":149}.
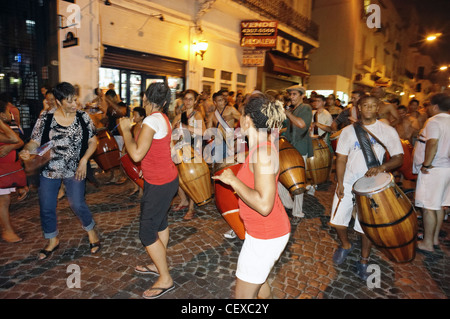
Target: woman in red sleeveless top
{"x":152,"y":149}
{"x":9,"y":142}
{"x":265,"y":219}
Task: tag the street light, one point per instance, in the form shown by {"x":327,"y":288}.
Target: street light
{"x":433,"y":36}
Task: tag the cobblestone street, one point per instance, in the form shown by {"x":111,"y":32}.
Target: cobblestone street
{"x":202,"y":261}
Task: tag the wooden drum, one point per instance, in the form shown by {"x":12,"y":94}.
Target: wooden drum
{"x":132,"y":169}
{"x":107,"y":154}
{"x":227,"y":200}
{"x":194,"y":177}
{"x":387,"y":217}
{"x":292,"y":168}
{"x":319,"y":166}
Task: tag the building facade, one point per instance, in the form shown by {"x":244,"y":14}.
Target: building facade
{"x":131,"y":43}
{"x":363,"y":44}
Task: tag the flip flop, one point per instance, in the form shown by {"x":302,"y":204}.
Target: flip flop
{"x":163,"y":291}
{"x":147,"y":271}
{"x":22,"y":196}
{"x":425,"y":252}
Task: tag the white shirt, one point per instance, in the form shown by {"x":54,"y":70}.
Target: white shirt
{"x":348,"y":145}
{"x":436,"y":127}
{"x":158,"y":123}
{"x":324,"y":118}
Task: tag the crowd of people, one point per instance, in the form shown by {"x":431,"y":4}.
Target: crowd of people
{"x":145,"y":134}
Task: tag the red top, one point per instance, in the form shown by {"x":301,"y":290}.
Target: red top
{"x":157,"y":165}
{"x":10,"y":157}
{"x":276,"y":223}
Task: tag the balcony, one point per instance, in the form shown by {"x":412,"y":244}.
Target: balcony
{"x":282,"y":12}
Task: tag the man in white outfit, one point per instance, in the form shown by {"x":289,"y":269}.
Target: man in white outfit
{"x":351,"y":166}
{"x":432,"y":157}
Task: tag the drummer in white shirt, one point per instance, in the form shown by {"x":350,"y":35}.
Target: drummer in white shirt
{"x":322,"y":119}
{"x":351,"y":166}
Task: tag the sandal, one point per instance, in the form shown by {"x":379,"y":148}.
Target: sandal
{"x":179,"y":207}
{"x":189,"y":215}
{"x":22,"y":196}
{"x":47,"y":253}
{"x":95,"y":245}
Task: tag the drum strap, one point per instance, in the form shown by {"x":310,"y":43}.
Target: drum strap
{"x":316,"y":129}
{"x":366,"y":146}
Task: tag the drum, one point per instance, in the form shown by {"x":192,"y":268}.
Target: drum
{"x":292,"y":168}
{"x":387,"y":217}
{"x":334,"y":138}
{"x":406,"y":168}
{"x":227,"y":201}
{"x":194,"y":177}
{"x":319,"y":166}
{"x":107,"y":154}
{"x":132,"y":169}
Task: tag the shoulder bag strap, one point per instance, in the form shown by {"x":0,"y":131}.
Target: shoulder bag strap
{"x":366,"y":146}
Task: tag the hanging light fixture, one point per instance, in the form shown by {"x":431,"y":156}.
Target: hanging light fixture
{"x":200,"y":48}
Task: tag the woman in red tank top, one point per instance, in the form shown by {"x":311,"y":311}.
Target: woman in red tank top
{"x":265,"y":219}
{"x":9,"y":142}
{"x":152,"y":149}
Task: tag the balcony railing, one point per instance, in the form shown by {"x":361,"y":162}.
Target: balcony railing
{"x":282,"y":12}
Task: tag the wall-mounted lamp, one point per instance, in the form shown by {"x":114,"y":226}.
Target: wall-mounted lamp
{"x":200,"y":48}
{"x":107,"y":3}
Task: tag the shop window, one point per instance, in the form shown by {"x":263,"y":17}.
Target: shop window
{"x":225,"y":75}
{"x":241,"y":78}
{"x":208,"y":87}
{"x":109,"y":76}
{"x":209,"y":73}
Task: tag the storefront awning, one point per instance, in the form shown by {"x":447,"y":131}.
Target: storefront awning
{"x":279,"y":64}
{"x":145,"y":62}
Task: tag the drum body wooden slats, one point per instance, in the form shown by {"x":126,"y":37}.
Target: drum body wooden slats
{"x":334,"y":138}
{"x":195,"y":179}
{"x":406,"y":168}
{"x":227,"y":202}
{"x":319,"y":166}
{"x":107,"y":154}
{"x":132,"y":169}
{"x":387,"y":217}
{"x":292,"y":168}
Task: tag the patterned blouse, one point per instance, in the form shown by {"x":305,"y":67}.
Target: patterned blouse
{"x":67,"y":144}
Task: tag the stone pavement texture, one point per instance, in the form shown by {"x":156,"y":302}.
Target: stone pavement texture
{"x":202,"y":261}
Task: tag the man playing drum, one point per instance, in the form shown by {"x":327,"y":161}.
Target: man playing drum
{"x":299,"y":117}
{"x":350,"y":166}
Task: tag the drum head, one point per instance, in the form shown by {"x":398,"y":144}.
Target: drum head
{"x":373,"y":183}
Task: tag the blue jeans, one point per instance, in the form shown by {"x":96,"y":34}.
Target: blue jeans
{"x":48,"y":200}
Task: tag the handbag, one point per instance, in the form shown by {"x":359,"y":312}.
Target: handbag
{"x":12,"y":175}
